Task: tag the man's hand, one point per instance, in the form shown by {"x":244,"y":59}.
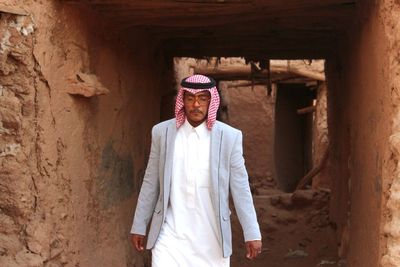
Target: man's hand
{"x":138,"y":242}
{"x":253,"y":249}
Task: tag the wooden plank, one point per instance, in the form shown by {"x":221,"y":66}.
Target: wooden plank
{"x":306,"y":110}
{"x":244,"y":73}
{"x":294,"y":42}
{"x":221,"y":9}
{"x":272,"y":53}
{"x":259,"y":3}
{"x":325,"y":17}
{"x":314,"y":171}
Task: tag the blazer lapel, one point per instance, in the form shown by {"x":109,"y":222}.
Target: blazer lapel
{"x":169,"y":157}
{"x":215,"y":152}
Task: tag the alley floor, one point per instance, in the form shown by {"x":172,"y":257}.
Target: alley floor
{"x":296,"y":230}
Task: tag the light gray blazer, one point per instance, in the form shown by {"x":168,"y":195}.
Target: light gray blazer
{"x":228,"y":173}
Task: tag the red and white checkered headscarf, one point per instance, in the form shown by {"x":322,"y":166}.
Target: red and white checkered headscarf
{"x":214,"y":102}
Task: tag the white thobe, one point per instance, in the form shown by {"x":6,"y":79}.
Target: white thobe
{"x":190,"y":235}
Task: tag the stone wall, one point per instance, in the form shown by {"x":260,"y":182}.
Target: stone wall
{"x":72,"y":159}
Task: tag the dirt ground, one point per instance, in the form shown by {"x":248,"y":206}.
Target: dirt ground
{"x":295,"y":227}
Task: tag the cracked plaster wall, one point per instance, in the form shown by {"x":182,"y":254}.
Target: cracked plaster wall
{"x":71,"y":166}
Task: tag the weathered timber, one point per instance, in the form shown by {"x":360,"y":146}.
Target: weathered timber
{"x":314,"y":171}
{"x":306,"y":110}
{"x":244,"y":73}
{"x":198,"y":18}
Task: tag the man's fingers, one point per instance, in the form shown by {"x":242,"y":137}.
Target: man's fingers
{"x":139,"y":244}
{"x":251,"y":252}
{"x":253,"y":249}
{"x":137,"y":241}
{"x":248,"y":251}
{"x":254,"y":252}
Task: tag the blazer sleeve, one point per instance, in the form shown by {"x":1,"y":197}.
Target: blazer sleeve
{"x":241,"y":195}
{"x":150,"y":188}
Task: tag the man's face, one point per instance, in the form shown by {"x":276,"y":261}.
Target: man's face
{"x":196,"y":106}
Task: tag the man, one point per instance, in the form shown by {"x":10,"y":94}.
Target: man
{"x":195,"y":161}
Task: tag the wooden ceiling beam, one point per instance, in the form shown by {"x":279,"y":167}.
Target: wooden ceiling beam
{"x":245,"y":73}
{"x":211,"y":4}
{"x":206,"y":11}
{"x":249,"y":31}
{"x":274,"y":28}
{"x":249,"y":42}
{"x":272,"y":53}
{"x":319,"y":18}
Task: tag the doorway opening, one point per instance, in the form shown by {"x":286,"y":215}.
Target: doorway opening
{"x":283,"y":117}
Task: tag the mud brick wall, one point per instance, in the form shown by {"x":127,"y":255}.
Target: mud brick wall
{"x":77,"y":103}
{"x":362,"y":117}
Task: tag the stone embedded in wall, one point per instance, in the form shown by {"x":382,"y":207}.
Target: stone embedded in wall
{"x":13,"y":46}
{"x":86,"y":85}
{"x":9,"y":150}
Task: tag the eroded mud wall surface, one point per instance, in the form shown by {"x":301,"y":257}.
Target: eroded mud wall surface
{"x":361,"y":96}
{"x":320,"y":139}
{"x":251,"y":110}
{"x":391,"y":205}
{"x":71,"y":158}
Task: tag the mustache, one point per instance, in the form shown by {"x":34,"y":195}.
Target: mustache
{"x":196,"y":111}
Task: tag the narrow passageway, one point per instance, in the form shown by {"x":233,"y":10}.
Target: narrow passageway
{"x":82,"y":82}
{"x":285,"y":133}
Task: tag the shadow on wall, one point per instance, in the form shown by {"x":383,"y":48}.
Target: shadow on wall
{"x":115,"y":181}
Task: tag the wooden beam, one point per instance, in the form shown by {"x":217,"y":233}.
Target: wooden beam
{"x":273,"y":49}
{"x":196,"y":14}
{"x":306,"y":110}
{"x":282,"y":53}
{"x":317,"y":169}
{"x":244,"y":72}
{"x":247,"y":84}
{"x":258,"y":3}
{"x":316,"y":16}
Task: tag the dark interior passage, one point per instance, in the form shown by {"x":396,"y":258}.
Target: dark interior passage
{"x":293,"y":135}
